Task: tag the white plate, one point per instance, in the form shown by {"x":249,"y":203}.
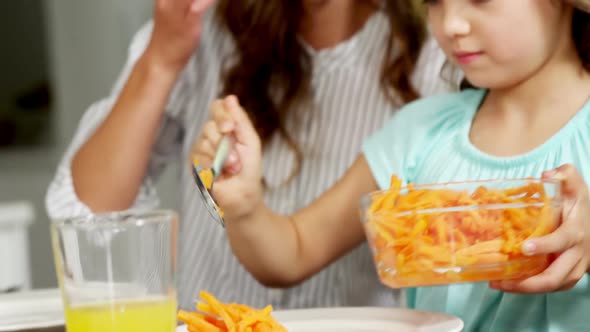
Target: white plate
{"x":364,"y":320}
{"x":31,"y":310}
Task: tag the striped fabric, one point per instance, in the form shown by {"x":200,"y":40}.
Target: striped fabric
{"x":347,"y":105}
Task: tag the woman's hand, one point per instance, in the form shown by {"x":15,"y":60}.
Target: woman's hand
{"x":238,"y":190}
{"x":569,"y":244}
{"x":177,"y":29}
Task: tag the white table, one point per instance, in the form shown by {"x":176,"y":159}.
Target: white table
{"x":37,"y":310}
{"x":41,"y":311}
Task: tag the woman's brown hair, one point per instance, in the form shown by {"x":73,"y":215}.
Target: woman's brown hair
{"x":272,"y":71}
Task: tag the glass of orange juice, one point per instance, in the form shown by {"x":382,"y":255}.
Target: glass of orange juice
{"x":116,"y":271}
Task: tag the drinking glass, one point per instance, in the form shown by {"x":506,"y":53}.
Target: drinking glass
{"x":116,"y":271}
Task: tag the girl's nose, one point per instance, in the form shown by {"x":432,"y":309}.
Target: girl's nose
{"x":455,"y":23}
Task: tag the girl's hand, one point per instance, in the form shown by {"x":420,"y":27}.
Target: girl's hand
{"x":238,"y":190}
{"x":569,"y":244}
{"x":177,"y":29}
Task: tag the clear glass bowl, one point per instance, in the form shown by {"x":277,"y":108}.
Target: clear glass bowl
{"x":459,"y":232}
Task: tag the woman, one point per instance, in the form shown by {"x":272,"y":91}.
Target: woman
{"x":315,"y":76}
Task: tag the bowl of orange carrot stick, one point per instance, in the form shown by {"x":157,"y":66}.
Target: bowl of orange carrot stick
{"x":472,"y":231}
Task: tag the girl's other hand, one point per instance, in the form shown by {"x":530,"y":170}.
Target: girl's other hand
{"x":176,"y":33}
{"x":238,"y":190}
{"x":569,"y":244}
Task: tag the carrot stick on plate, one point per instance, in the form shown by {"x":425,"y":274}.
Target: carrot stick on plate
{"x":215,"y":316}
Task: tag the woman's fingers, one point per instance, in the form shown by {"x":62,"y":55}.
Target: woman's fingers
{"x":176,"y":32}
{"x":197,"y":7}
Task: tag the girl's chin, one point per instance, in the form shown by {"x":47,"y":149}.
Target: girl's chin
{"x":488,"y":80}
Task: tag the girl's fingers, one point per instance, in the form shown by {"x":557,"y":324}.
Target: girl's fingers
{"x":204,"y":151}
{"x":221,"y":116}
{"x":211,"y":133}
{"x":573,"y":186}
{"x":577,"y":273}
{"x":569,"y":234}
{"x":556,"y":276}
{"x":244,"y":129}
{"x":563,"y":238}
{"x":232,"y":164}
{"x":209,"y":143}
{"x":573,"y":182}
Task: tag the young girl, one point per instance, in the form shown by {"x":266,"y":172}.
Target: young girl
{"x":529,"y":117}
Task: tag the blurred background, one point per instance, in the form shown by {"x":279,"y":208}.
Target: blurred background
{"x":56,"y":58}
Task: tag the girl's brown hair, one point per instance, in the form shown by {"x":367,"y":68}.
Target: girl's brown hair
{"x":581,"y":35}
{"x":272,"y":71}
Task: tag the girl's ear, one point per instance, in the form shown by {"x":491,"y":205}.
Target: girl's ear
{"x":583,"y":5}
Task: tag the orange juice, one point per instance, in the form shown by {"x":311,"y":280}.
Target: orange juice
{"x":156,"y":314}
